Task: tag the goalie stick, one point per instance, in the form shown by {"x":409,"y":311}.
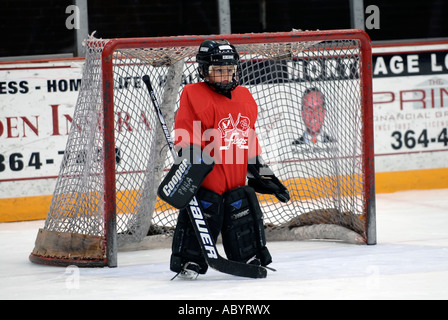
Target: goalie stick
{"x":208,"y":246}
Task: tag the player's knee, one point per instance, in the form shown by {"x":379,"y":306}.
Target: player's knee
{"x":212,"y":208}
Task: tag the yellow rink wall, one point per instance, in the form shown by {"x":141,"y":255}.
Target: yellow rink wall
{"x":36,"y":208}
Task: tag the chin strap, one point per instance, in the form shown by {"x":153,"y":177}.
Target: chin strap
{"x":225,"y":90}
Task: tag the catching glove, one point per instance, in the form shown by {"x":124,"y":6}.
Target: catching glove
{"x":262,"y":180}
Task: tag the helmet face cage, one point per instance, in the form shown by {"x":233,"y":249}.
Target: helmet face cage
{"x":218,"y":53}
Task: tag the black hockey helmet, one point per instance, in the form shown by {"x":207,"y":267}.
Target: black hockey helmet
{"x":218,"y":53}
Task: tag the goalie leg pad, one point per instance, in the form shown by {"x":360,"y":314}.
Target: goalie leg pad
{"x":243,"y":231}
{"x":185,"y":246}
{"x":185,"y":177}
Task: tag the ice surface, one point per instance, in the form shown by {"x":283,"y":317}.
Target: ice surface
{"x":410,"y":261}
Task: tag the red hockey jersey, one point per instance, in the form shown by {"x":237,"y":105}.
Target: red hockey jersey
{"x":222,"y":127}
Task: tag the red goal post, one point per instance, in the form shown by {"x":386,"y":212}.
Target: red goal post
{"x":348,"y":175}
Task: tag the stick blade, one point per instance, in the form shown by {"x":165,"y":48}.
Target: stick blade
{"x":237,"y":268}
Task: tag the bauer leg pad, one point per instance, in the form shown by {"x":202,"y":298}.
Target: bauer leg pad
{"x":243,"y":231}
{"x":186,"y":247}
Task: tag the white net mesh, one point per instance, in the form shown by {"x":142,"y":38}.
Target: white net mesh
{"x":325,"y":179}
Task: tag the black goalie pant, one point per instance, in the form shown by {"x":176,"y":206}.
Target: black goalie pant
{"x":237,"y":215}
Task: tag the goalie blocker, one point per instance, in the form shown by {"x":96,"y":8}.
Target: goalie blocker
{"x":185,"y":176}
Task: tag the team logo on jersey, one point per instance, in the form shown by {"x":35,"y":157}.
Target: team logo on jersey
{"x":234,"y":132}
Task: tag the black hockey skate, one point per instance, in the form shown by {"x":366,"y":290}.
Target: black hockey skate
{"x":190,"y":271}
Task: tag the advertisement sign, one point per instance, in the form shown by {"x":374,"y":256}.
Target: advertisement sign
{"x":37,"y":101}
{"x":410,"y":96}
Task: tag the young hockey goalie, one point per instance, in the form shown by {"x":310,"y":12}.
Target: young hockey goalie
{"x":217,"y":117}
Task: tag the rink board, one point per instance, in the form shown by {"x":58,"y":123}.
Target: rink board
{"x":36,"y":207}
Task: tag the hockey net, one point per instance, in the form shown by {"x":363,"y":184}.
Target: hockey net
{"x":116,"y":154}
